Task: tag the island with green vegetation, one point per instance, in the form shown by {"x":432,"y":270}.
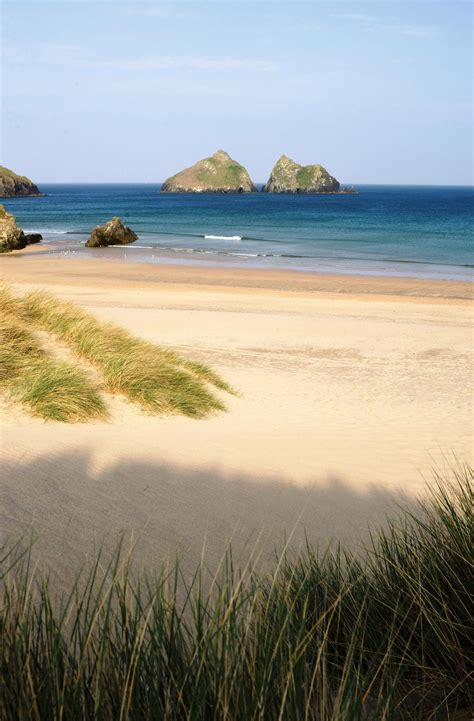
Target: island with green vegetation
{"x":290,"y":177}
{"x":217,"y":174}
{"x":12,"y":185}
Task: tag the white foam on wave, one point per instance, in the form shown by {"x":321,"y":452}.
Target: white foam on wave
{"x":245,"y":255}
{"x":223,"y":237}
{"x":131,"y":247}
{"x":46,"y":231}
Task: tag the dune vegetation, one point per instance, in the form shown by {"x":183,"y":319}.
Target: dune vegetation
{"x":49,"y":388}
{"x":376,"y":635}
{"x":157,"y":379}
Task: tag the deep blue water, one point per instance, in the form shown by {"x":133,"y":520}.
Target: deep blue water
{"x":387,"y":230}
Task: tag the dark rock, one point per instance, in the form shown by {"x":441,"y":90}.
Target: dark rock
{"x":33,"y":238}
{"x":114,"y":232}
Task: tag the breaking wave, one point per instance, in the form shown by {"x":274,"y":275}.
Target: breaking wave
{"x":223,"y":237}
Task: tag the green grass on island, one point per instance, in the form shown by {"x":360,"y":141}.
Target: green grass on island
{"x":380,"y":635}
{"x":11,"y":174}
{"x":224,"y":175}
{"x":305,"y":176}
{"x":157,"y":379}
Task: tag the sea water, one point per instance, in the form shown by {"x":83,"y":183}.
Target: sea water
{"x":382,"y":230}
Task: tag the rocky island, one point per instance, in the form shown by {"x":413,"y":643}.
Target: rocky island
{"x":114,"y":232}
{"x":290,"y":177}
{"x":11,"y":236}
{"x":217,"y":174}
{"x":12,"y":185}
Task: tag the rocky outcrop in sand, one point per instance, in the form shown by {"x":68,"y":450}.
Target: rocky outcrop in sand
{"x":11,"y":236}
{"x":12,"y":185}
{"x":32,"y":238}
{"x":217,"y":174}
{"x":289,"y":177}
{"x":114,"y":232}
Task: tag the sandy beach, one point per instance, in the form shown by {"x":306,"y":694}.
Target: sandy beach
{"x":351,"y":389}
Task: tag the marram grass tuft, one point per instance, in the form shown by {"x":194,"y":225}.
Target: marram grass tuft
{"x":48,"y":388}
{"x":157,"y":379}
{"x":385,"y":636}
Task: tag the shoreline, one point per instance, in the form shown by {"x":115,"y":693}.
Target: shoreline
{"x":39,"y":266}
{"x":226,"y":259}
{"x":385,"y":231}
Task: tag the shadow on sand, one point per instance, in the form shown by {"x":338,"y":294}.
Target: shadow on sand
{"x":71,"y":510}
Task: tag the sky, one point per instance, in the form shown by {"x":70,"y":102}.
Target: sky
{"x":120,"y":91}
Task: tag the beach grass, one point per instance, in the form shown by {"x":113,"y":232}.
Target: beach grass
{"x":48,"y":388}
{"x":158,"y":379}
{"x":379,"y":635}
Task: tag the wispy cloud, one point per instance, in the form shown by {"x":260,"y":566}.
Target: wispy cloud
{"x":165,"y":62}
{"x":386,"y":25}
{"x":357,"y":17}
{"x":75,"y":56}
{"x":415,"y":31}
{"x":162,"y":12}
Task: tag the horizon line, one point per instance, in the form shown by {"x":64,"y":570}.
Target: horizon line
{"x":257,"y":182}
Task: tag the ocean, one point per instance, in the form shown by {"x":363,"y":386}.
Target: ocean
{"x":383,"y":230}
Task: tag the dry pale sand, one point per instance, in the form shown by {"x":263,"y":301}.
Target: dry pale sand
{"x":351,"y":390}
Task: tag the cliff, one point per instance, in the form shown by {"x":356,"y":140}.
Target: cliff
{"x":12,"y":185}
{"x":289,"y":177}
{"x":217,"y":174}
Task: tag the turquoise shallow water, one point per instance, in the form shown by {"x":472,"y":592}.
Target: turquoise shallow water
{"x":384,"y":230}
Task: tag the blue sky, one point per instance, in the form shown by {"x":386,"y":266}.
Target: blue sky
{"x":378,"y":92}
